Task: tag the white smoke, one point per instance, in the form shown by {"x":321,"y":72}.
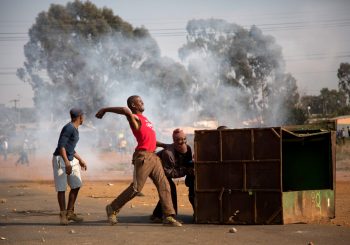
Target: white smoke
{"x":106,"y":72}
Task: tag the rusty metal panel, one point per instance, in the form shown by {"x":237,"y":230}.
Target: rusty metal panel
{"x":207,"y":145}
{"x":264,"y":175}
{"x":305,"y":206}
{"x":224,"y":207}
{"x":227,"y":175}
{"x":236,"y":145}
{"x":207,"y":209}
{"x":237,"y":208}
{"x":233,"y":176}
{"x":209,"y":176}
{"x":268,"y":208}
{"x":333,"y":148}
{"x":267,"y":143}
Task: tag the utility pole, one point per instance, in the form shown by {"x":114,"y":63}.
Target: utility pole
{"x":15,"y":101}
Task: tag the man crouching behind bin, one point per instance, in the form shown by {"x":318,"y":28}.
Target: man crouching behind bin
{"x":66,"y":165}
{"x":177,"y":162}
{"x":146,"y":162}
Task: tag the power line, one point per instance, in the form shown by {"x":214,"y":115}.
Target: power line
{"x":336,"y":23}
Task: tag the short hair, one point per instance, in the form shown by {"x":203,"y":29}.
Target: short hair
{"x":131,"y":100}
{"x":177,"y":131}
{"x":75,"y":112}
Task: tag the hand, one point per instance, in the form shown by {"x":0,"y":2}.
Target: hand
{"x":68,"y":169}
{"x":100,"y":113}
{"x":83,"y":165}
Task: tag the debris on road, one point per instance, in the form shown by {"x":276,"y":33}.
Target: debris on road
{"x":232,"y":230}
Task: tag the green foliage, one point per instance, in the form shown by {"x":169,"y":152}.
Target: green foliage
{"x":329,"y":103}
{"x":344,"y":78}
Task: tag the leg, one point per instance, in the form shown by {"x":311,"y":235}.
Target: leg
{"x":60,"y":179}
{"x":73,"y":194}
{"x":173,"y":193}
{"x":158,"y":211}
{"x":62,"y":203}
{"x":75,"y":182}
{"x":191,"y":194}
{"x":163,"y":187}
{"x":61,"y":197}
{"x":141,"y":172}
{"x":190,"y":184}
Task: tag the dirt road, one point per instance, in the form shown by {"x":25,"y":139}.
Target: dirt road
{"x":29,"y":214}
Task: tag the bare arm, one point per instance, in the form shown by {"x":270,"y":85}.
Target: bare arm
{"x":133,"y":119}
{"x":81,"y":161}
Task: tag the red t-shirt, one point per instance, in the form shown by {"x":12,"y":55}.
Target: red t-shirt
{"x":145,"y":136}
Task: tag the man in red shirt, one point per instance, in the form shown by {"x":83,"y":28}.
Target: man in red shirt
{"x":146,"y":162}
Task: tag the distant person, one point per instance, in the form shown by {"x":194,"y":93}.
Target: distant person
{"x":122,"y":145}
{"x":146,"y":162}
{"x":4,"y":148}
{"x":66,"y":167}
{"x":343,"y":135}
{"x":23,"y":155}
{"x":348,"y":131}
{"x":338,"y":136}
{"x":177,"y":163}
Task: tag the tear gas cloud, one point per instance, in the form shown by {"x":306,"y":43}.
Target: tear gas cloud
{"x":107,"y":72}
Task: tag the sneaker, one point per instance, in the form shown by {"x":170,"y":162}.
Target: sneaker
{"x":140,"y":194}
{"x":111,"y":215}
{"x":74,"y":217}
{"x":170,"y":220}
{"x":155,"y":219}
{"x":63,"y":218}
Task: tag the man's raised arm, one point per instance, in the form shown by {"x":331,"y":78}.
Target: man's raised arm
{"x":133,"y":119}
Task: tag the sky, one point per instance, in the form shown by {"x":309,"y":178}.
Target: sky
{"x":314,"y":34}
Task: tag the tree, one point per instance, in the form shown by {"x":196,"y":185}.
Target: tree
{"x":333,"y":101}
{"x":344,"y":78}
{"x":312,"y":104}
{"x":329,"y":103}
{"x":243,"y":70}
{"x":81,"y":55}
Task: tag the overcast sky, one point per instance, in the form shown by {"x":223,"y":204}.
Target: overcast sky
{"x":314,"y":34}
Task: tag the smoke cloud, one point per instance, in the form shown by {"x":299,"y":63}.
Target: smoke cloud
{"x":229,"y":75}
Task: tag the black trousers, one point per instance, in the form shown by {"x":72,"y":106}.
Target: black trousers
{"x":189,"y":181}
